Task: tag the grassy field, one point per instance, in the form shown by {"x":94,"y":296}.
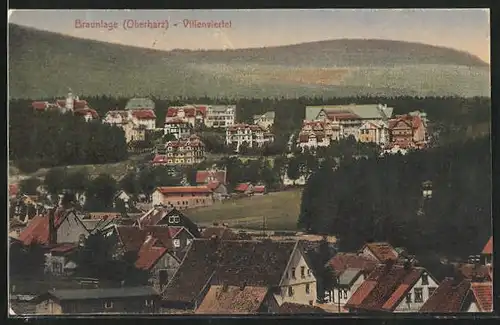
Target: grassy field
{"x":116,"y":170}
{"x":280,"y":209}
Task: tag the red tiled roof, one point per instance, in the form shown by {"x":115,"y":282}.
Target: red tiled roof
{"x":382,"y":251}
{"x":483,"y":293}
{"x":133,"y":238}
{"x":342,"y":116}
{"x":449,"y":297}
{"x":213,"y":185}
{"x":242,"y":187}
{"x":85,"y":111}
{"x":488,"y":248}
{"x":159,"y":159}
{"x":79,"y":104}
{"x":342,"y":261}
{"x":233,"y":300}
{"x":183,"y":189}
{"x":149,"y":254}
{"x":189,"y":111}
{"x":385,"y":287}
{"x":144,"y":114}
{"x":259,"y":188}
{"x":303,"y":137}
{"x":176,"y":121}
{"x":203,"y":176}
{"x":40,"y":105}
{"x":37,"y":230}
{"x":13,"y":189}
{"x":61,"y":102}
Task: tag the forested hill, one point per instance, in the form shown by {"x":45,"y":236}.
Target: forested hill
{"x":45,"y":64}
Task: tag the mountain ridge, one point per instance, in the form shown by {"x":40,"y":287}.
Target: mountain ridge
{"x":363,"y":67}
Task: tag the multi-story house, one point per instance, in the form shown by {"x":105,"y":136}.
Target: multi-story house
{"x":319,"y":133}
{"x":178,"y":128}
{"x":265,"y":120}
{"x":374,"y":132}
{"x":220,"y":116}
{"x":280,"y":266}
{"x":393,"y":288}
{"x":369,"y":112}
{"x":143,"y":117}
{"x":183,"y":197}
{"x":133,"y":122}
{"x":252,"y":135}
{"x":192,"y":114}
{"x":72,"y":104}
{"x":407,"y":131}
{"x":186,"y":151}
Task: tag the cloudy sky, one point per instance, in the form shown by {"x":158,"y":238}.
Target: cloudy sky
{"x":462,"y":29}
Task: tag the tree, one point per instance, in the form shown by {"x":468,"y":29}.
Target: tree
{"x":54,"y":180}
{"x":130,"y":183}
{"x":30,"y":185}
{"x":293,"y":171}
{"x":77,"y":181}
{"x":244,"y":147}
{"x":101,"y":192}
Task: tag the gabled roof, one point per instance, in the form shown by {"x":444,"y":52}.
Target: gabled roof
{"x":149,"y":254}
{"x":133,"y":237}
{"x":347,"y":278}
{"x":483,"y":294}
{"x":144,"y":114}
{"x":233,"y":300}
{"x":385,"y":287}
{"x":343,"y":261}
{"x":449,"y":297}
{"x":203,"y":176}
{"x":488,"y":248}
{"x":86,"y":111}
{"x":231,"y":262}
{"x":291,"y":308}
{"x":242,"y":187}
{"x":259,"y":188}
{"x":382,"y":251}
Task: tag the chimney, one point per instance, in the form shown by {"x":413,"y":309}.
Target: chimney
{"x":407,"y":264}
{"x":52,"y":227}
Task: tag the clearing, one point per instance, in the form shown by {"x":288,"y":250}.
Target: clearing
{"x":280,"y":210}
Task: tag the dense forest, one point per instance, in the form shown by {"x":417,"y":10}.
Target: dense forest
{"x":38,"y":139}
{"x":381,"y":198}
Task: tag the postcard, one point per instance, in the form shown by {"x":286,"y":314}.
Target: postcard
{"x":258,"y":162}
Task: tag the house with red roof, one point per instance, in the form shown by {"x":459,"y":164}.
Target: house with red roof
{"x":181,"y":152}
{"x":487,"y":252}
{"x":178,"y":127}
{"x":453,"y":295}
{"x":143,"y":117}
{"x":379,"y":251}
{"x":407,"y":131}
{"x":393,"y":288}
{"x":482,"y":301}
{"x":259,"y":189}
{"x":87,"y":113}
{"x":167,"y":216}
{"x":374,"y":132}
{"x":215,"y":180}
{"x":183,"y":197}
{"x":55,"y":227}
{"x":192,"y":114}
{"x":244,"y":188}
{"x":319,"y":133}
{"x":60,"y":260}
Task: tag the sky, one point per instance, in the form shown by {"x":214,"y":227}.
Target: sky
{"x":461,"y":29}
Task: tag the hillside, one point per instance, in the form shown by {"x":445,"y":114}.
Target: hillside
{"x":44,"y":64}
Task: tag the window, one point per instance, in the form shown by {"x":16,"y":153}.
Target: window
{"x":311,"y":302}
{"x":308,"y":288}
{"x":293,"y":273}
{"x":309,"y":272}
{"x":418,"y":295}
{"x":408,"y":298}
{"x":431,"y":290}
{"x":177,"y":243}
{"x":286,"y":275}
{"x":149,"y":303}
{"x":290,"y":292}
{"x":425,"y":279}
{"x":345,"y":294}
{"x":108,"y":304}
{"x":302,"y":272}
{"x":56,"y":267}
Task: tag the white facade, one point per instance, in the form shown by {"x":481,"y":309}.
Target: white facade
{"x":254,"y":135}
{"x":219,"y":116}
{"x":301,"y":181}
{"x":298,"y":284}
{"x":340,"y":296}
{"x":71,"y":230}
{"x":178,"y":128}
{"x":417,"y":296}
{"x":265,"y":120}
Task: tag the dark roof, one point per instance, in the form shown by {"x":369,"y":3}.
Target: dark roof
{"x":291,"y":308}
{"x":231,"y":262}
{"x":449,"y":297}
{"x":102,"y":293}
{"x":382,"y":251}
{"x":342,"y":261}
{"x":475,"y":272}
{"x":385,"y":287}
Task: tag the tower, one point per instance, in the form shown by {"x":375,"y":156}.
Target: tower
{"x":70,"y":101}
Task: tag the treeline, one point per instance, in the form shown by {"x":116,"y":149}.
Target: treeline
{"x":381,"y":198}
{"x":51,"y":139}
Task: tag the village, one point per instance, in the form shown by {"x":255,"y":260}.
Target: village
{"x":211,"y":268}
